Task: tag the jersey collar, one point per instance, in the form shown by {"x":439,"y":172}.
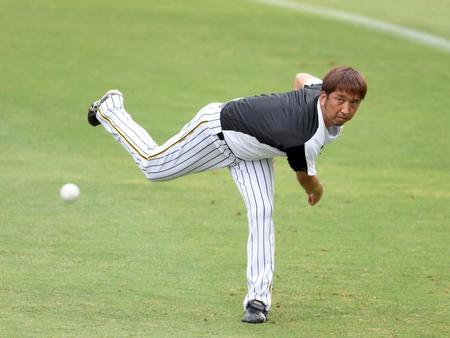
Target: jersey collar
{"x":331,"y":132}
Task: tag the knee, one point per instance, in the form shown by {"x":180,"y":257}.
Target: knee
{"x":155,"y":176}
{"x":149,"y":175}
{"x":152,"y":177}
{"x":261,"y":210}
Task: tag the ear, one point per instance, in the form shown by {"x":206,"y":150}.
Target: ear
{"x":323,"y":97}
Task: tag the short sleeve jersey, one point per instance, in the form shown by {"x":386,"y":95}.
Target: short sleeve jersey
{"x":288,"y":124}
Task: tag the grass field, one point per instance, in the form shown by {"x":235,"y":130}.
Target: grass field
{"x":132,"y":258}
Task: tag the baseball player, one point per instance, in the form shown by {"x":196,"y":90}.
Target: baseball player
{"x":244,"y":135}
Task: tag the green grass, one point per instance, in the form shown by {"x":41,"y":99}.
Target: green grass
{"x":431,"y":17}
{"x":132,"y":258}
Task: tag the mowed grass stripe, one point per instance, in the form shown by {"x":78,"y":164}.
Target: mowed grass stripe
{"x":389,"y":28}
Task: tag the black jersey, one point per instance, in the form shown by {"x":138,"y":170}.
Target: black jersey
{"x":284,"y":121}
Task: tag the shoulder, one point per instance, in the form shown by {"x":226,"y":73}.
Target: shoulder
{"x":312,"y":90}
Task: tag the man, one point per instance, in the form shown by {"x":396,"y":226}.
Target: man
{"x":244,"y":135}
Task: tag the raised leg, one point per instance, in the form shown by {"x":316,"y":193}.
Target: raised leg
{"x":194,"y":149}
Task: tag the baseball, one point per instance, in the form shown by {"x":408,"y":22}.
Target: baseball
{"x":69,"y":192}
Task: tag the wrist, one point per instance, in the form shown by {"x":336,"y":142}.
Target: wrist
{"x":316,"y":189}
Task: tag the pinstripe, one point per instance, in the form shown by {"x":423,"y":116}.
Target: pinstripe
{"x":114,"y":127}
{"x":267,"y":225}
{"x":123,"y":124}
{"x":254,"y":180}
{"x":174,"y":154}
{"x":189,"y":169}
{"x":195,"y":120}
{"x":194,"y":149}
{"x":131,"y":142}
{"x":134,"y":127}
{"x":261,"y":225}
{"x":114,"y":107}
{"x":269,"y":190}
{"x":266,"y":218}
{"x":255,"y":226}
{"x":253,"y":223}
{"x":163,"y":153}
{"x":179,"y":140}
{"x":200,"y":157}
{"x":242,"y":187}
{"x":217,"y":164}
{"x":178,"y":159}
{"x":268,"y":179}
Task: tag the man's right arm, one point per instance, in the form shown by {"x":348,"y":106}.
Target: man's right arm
{"x":311,"y":185}
{"x":301,"y":79}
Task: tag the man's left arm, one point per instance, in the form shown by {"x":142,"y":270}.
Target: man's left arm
{"x":311,"y":185}
{"x":302,"y":160}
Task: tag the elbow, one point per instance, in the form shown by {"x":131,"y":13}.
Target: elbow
{"x":300,"y":80}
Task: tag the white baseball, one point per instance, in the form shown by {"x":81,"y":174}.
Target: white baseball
{"x":69,"y":192}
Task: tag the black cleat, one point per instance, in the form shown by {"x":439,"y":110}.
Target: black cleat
{"x":92,"y":119}
{"x":92,"y":111}
{"x":255,"y":312}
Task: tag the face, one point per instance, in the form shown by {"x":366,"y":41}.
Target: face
{"x":338,"y":107}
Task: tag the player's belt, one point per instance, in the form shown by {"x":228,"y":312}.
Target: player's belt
{"x":220,"y":136}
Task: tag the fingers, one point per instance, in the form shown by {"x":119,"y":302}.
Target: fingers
{"x":313,"y":199}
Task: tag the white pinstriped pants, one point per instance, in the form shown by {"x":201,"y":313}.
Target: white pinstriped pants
{"x":197,"y":148}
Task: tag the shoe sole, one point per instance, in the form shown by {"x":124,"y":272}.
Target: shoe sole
{"x":256,"y":319}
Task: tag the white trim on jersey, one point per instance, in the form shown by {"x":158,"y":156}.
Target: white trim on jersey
{"x":247,"y":147}
{"x":321,"y":137}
